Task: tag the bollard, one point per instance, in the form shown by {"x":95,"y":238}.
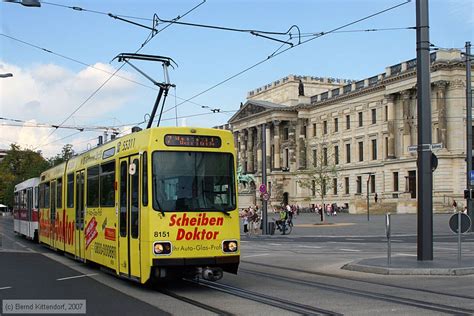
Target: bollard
{"x":389,"y":244}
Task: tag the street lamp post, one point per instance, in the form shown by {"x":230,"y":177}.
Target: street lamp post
{"x":26,"y":3}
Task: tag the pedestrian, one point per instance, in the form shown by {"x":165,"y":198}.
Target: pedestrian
{"x":376,"y":197}
{"x":245,"y":219}
{"x":455,"y":206}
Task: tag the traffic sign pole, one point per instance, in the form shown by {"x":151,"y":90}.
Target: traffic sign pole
{"x":459,"y":237}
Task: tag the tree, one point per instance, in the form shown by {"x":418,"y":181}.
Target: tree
{"x":17,"y":166}
{"x":320,"y":173}
{"x":66,"y":153}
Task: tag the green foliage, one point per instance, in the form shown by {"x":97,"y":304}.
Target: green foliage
{"x":17,"y":166}
{"x":66,"y":153}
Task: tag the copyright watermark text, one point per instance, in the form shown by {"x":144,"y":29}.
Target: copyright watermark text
{"x":44,"y":306}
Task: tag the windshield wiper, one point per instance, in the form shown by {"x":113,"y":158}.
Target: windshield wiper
{"x":155,"y":197}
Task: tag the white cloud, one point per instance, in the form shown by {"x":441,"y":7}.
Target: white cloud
{"x":49,"y":93}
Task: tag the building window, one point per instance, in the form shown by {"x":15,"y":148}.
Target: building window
{"x":348,"y":121}
{"x":285,"y":133}
{"x":386,"y":114}
{"x":359,"y":184}
{"x":325,"y":156}
{"x":372,"y":183}
{"x":336,"y":155}
{"x":346,"y":185}
{"x":315,"y":158}
{"x":348,"y":153}
{"x":374,"y":149}
{"x":336,"y":125}
{"x":361,"y":123}
{"x":386,"y":147}
{"x":304,"y":131}
{"x":287,"y":158}
{"x":374,"y":116}
{"x":361,"y":151}
{"x":314,"y":130}
{"x":395,"y":182}
{"x":334,"y":186}
{"x":313,"y":187}
{"x":325,"y":127}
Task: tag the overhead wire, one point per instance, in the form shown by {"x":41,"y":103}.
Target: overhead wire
{"x":287,"y":49}
{"x":108,"y":79}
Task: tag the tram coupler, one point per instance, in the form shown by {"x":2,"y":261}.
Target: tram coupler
{"x":212,"y":274}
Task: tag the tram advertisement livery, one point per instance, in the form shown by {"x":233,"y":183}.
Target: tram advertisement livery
{"x":158,"y":203}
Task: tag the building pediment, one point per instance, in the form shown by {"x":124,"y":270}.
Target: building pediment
{"x":252,"y":107}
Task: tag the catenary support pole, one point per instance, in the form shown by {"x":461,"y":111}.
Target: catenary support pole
{"x":425,"y":176}
{"x":470,"y":202}
{"x":264,"y":179}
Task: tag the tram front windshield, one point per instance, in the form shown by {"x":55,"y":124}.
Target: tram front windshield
{"x":193,"y":181}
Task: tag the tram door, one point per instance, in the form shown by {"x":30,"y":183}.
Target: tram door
{"x":129,"y":217}
{"x":52,"y":214}
{"x":79,"y":242}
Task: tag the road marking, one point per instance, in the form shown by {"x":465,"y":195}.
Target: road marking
{"x":355,"y":239}
{"x":257,"y":255}
{"x":273,"y":244}
{"x":398,"y":240}
{"x":19,"y":243}
{"x":5,"y":288}
{"x":405,"y":254}
{"x":315,"y":247}
{"x":355,"y":250}
{"x":75,"y":277}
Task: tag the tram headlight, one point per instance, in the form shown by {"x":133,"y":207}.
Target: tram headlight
{"x":162,"y":248}
{"x":230,"y":246}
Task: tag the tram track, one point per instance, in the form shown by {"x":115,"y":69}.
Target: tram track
{"x":436,"y":307}
{"x":330,"y":275}
{"x":272,"y":301}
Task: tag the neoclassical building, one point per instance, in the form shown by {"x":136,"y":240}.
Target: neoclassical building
{"x":365,"y":126}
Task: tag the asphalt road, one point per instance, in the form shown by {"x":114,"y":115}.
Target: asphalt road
{"x":278,"y":275}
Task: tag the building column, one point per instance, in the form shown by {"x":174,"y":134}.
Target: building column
{"x":242,"y":150}
{"x":276,"y":142}
{"x":250,"y":165}
{"x":268,"y":148}
{"x":442,"y":119}
{"x":389,"y":99}
{"x":291,"y":145}
{"x":259,"y":149}
{"x":407,"y":118}
{"x":301,"y":145}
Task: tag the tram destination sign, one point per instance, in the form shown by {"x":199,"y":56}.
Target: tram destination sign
{"x":193,"y":141}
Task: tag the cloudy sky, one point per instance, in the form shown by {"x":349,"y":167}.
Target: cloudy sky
{"x":50,"y":87}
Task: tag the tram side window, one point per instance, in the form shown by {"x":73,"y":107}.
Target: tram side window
{"x":23,"y":199}
{"x":107,"y":180}
{"x":15,"y":201}
{"x":36,"y":197}
{"x":59,"y":194}
{"x":145,"y":179}
{"x":46,"y":195}
{"x":70,"y":190}
{"x":93,"y":186}
{"x":134,"y":215}
{"x":41,"y":195}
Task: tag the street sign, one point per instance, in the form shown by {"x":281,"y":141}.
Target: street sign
{"x":465,"y":223}
{"x":472,"y":177}
{"x":266,"y":196}
{"x":412,"y":148}
{"x":437,"y":146}
{"x":263,"y":188}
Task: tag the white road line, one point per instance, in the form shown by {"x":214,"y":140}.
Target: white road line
{"x":273,"y":244}
{"x":19,"y":243}
{"x":77,"y":276}
{"x":257,"y":255}
{"x":355,"y":250}
{"x":405,"y":254}
{"x":398,"y":240}
{"x":315,"y":247}
{"x":5,"y":288}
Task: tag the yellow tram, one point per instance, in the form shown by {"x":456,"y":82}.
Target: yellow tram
{"x":156,"y":203}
